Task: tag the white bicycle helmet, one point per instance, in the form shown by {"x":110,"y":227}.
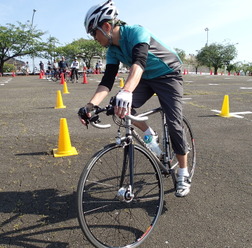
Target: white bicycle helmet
{"x":98,"y":13}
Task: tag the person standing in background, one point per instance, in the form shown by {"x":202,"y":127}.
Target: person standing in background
{"x":75,"y":68}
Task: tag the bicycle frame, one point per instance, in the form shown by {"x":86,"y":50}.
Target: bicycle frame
{"x":165,"y":164}
{"x":167,"y":156}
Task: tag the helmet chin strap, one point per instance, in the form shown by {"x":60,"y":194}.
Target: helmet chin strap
{"x":108,"y":36}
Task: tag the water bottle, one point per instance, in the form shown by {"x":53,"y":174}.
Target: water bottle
{"x":152,"y":144}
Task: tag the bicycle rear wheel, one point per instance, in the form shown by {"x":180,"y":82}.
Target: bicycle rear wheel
{"x":108,"y":221}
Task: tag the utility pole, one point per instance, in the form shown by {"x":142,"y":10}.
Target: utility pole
{"x":207,"y":29}
{"x":33,"y":65}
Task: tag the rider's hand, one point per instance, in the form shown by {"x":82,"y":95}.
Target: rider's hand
{"x":85,"y":113}
{"x":123,"y":103}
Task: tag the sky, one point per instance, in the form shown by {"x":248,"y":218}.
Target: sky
{"x":179,"y":23}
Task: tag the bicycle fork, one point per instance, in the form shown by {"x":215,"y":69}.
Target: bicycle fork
{"x":125,"y":192}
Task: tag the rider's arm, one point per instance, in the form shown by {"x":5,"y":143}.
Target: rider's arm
{"x":139,"y":58}
{"x":106,"y":84}
{"x":109,"y":76}
{"x":102,"y":90}
{"x":100,"y":93}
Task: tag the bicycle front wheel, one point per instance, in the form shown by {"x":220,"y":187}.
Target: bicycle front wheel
{"x":106,"y":219}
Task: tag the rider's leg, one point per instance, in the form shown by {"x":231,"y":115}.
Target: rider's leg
{"x":76,"y":73}
{"x":140,"y":95}
{"x":170,"y":92}
{"x":182,"y":159}
{"x":143,"y":126}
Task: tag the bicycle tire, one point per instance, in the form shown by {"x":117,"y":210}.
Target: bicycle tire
{"x":55,"y":78}
{"x":74,"y":80}
{"x":104,"y":219}
{"x":67,"y":77}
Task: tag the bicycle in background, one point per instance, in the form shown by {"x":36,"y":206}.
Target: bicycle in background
{"x":56,"y":75}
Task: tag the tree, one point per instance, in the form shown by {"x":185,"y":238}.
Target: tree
{"x":82,"y":48}
{"x":181,"y":53}
{"x":250,"y":69}
{"x":50,"y":49}
{"x":193,"y":61}
{"x":19,"y":40}
{"x":217,"y":55}
{"x":245,"y":67}
{"x":89,"y":49}
{"x":231,"y":67}
{"x":8,"y":67}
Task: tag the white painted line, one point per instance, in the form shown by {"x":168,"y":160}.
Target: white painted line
{"x":235,"y":114}
{"x":243,"y":113}
{"x":1,"y":84}
{"x":188,"y":81}
{"x":213,"y":84}
{"x":231,"y":114}
{"x":183,"y":99}
{"x":246,"y":88}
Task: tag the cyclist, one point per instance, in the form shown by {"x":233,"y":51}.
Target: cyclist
{"x":154,"y":68}
{"x":75,"y":67}
{"x":63,"y":66}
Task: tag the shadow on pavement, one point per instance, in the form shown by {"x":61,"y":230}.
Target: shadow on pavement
{"x":48,"y":205}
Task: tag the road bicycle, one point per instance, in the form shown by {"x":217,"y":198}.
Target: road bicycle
{"x":56,"y":75}
{"x":120,"y":192}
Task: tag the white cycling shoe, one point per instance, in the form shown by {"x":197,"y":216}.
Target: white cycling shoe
{"x":183,"y":186}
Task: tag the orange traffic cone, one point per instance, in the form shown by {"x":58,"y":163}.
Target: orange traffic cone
{"x":59,"y":101}
{"x":64,"y":143}
{"x":85,"y":78}
{"x":65,"y":89}
{"x":40,"y":75}
{"x":13,"y":74}
{"x":62,"y":79}
{"x":43,"y":75}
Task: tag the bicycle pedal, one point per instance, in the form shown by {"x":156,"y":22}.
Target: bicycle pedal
{"x":165,"y":173}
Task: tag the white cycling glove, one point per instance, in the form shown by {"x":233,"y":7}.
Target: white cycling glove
{"x":124,"y":99}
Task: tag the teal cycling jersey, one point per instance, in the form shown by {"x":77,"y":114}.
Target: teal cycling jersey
{"x":161,"y":59}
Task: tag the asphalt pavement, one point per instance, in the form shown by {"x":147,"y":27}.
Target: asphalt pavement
{"x":38,"y":191}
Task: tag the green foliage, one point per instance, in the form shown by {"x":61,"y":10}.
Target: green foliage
{"x":244,"y":67}
{"x":217,"y":55}
{"x":181,"y":53}
{"x":19,"y":40}
{"x":50,"y":48}
{"x":82,"y":48}
{"x":231,"y":67}
{"x":8,"y":68}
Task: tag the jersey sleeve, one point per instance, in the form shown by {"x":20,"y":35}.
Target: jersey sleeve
{"x":108,"y":78}
{"x":138,"y":34}
{"x":140,"y":54}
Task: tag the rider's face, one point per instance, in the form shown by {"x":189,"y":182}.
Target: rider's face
{"x":100,"y":37}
